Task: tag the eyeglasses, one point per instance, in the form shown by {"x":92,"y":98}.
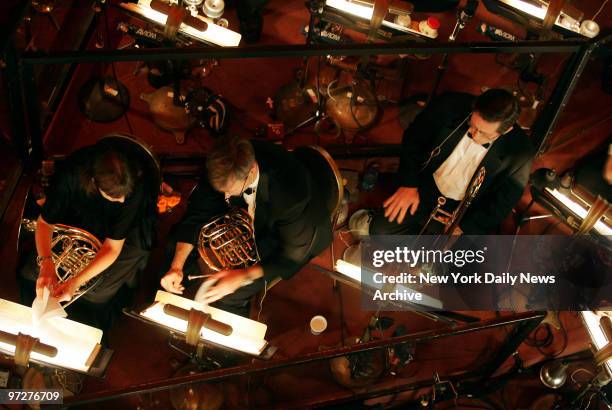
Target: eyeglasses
{"x":476,"y":131}
{"x":227,"y":195}
{"x":244,"y":183}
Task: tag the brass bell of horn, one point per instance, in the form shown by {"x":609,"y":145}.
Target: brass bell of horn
{"x":554,"y":374}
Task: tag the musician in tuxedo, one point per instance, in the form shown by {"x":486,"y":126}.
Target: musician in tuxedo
{"x":442,"y":149}
{"x":291,"y":227}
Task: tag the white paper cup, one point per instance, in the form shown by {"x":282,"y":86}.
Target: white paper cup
{"x":318,"y":324}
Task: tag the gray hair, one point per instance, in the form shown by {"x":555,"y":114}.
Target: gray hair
{"x":230,"y":157}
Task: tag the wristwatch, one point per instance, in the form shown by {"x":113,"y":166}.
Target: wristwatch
{"x":41,"y":259}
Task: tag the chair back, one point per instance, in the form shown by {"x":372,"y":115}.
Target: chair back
{"x":150,"y":177}
{"x":328,"y":186}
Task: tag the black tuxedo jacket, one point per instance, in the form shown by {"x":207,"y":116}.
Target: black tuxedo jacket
{"x":507,"y":163}
{"x":285,"y":219}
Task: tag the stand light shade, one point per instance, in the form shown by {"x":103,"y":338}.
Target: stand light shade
{"x":213,"y":8}
{"x":589,"y":28}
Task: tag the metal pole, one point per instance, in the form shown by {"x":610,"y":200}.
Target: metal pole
{"x":478,"y":390}
{"x":546,"y":122}
{"x":15,"y":101}
{"x":32,"y":110}
{"x":18,"y":127}
{"x":515,"y":338}
{"x":301,"y":50}
{"x":418,"y":337}
{"x":10,"y":64}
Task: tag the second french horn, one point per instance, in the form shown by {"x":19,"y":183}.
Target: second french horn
{"x":228,"y":241}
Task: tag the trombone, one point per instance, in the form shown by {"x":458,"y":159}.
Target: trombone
{"x":448,"y":221}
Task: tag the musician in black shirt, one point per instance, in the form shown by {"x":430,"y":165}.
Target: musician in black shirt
{"x":97,"y":189}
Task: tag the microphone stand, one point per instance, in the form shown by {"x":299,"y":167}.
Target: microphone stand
{"x":316,"y":8}
{"x":599,"y":381}
{"x":463,"y":16}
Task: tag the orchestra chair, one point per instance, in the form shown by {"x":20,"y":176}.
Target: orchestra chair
{"x":327,"y":187}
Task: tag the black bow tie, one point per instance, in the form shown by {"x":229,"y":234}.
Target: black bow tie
{"x":487,"y":145}
{"x":249,"y":191}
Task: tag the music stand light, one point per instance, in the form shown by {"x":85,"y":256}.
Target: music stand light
{"x":539,"y":9}
{"x":365,"y":10}
{"x":573,"y":204}
{"x":213,"y":33}
{"x":221,"y":328}
{"x":60,"y":342}
{"x":599,"y":326}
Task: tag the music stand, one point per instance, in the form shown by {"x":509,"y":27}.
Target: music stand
{"x":228,"y":331}
{"x":59,"y":343}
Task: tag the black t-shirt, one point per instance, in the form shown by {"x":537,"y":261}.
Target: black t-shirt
{"x":68,"y":203}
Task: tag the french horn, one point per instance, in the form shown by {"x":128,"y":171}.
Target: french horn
{"x":72,"y":249}
{"x":228,"y":242}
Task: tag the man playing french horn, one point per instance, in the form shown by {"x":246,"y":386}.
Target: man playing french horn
{"x":458,"y":138}
{"x":97,"y":189}
{"x":289,"y":227}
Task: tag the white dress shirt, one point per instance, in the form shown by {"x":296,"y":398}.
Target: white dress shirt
{"x":454,"y":175}
{"x":250,"y":199}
